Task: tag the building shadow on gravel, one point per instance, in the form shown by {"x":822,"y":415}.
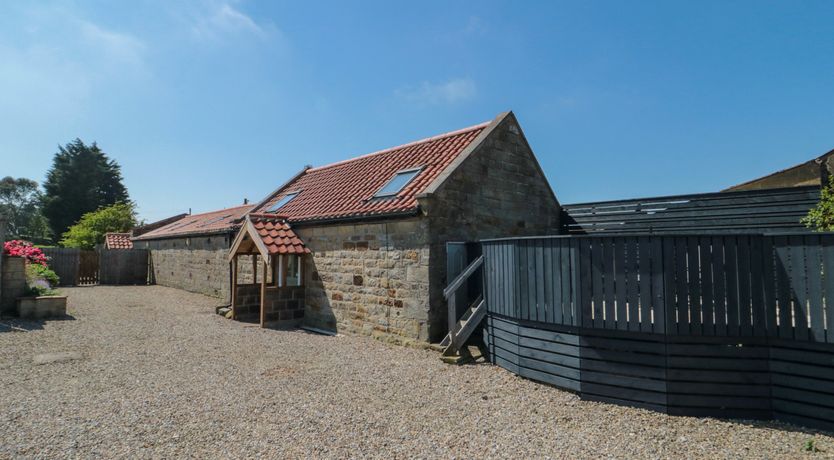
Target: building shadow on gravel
{"x":27,"y":325}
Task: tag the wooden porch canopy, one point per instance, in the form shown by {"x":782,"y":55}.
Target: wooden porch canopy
{"x":266,"y":235}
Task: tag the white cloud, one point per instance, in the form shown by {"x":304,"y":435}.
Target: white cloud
{"x":223,"y":19}
{"x":454,"y":91}
{"x":114,"y":45}
{"x":55,"y":66}
{"x":475,"y":26}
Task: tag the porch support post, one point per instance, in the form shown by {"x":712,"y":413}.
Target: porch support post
{"x":234,"y":286}
{"x":263,"y":294}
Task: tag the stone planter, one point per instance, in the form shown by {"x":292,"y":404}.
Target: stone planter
{"x":42,"y":307}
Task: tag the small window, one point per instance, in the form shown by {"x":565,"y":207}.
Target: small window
{"x":398,"y":182}
{"x":286,"y":270}
{"x":293,"y":270}
{"x":286,"y":199}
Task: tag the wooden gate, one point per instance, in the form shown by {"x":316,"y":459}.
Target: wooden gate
{"x":64,"y":262}
{"x":87,"y":268}
{"x":76,"y":267}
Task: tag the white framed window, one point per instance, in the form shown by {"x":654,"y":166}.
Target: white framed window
{"x":397,"y":183}
{"x":293,"y":270}
{"x":283,"y":201}
{"x":286,"y":270}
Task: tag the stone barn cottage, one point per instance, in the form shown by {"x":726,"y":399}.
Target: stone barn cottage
{"x":373,"y":228}
{"x":190,"y":253}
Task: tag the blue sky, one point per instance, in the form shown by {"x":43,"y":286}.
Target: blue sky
{"x":204,"y":103}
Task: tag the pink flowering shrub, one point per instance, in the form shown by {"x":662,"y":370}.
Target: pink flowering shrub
{"x":20,"y":248}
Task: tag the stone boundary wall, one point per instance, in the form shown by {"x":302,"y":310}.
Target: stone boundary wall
{"x":368,"y":278}
{"x":13,"y":279}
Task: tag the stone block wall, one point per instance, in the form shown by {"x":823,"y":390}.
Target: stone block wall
{"x":13,"y":280}
{"x":248,"y":301}
{"x":42,"y":307}
{"x":196,"y":264}
{"x":368,"y":278}
{"x":284,"y":306}
{"x":498,"y":191}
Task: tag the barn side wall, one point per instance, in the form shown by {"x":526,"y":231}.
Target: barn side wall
{"x":498,"y":191}
{"x":369,"y":278}
{"x":196,"y":264}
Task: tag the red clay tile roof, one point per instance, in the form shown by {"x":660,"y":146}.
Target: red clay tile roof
{"x":147,"y":228}
{"x":277,"y":235}
{"x":345,"y":189}
{"x":117,"y":241}
{"x":219,"y":221}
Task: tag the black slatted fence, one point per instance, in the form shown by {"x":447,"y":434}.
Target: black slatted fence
{"x":757,"y":211}
{"x":733,"y":325}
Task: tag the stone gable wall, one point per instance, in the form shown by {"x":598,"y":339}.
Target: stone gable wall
{"x":498,"y":191}
{"x":368,"y":278}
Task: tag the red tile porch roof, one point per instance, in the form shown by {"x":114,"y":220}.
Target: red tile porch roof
{"x":345,"y":189}
{"x":223,"y":220}
{"x":117,"y":241}
{"x":277,"y":235}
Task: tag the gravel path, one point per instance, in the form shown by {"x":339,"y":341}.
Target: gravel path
{"x":160,"y":375}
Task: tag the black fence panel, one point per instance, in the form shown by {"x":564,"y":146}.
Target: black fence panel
{"x":757,"y":211}
{"x":123,"y":266}
{"x":732,"y":325}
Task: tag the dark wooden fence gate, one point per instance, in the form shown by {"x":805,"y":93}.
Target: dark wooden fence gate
{"x":88,"y":265}
{"x":123,"y":267}
{"x":83,"y":268}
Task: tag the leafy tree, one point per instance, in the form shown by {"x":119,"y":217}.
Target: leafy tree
{"x":90,"y":229}
{"x":82,"y":179}
{"x":20,"y":201}
{"x":821,"y":217}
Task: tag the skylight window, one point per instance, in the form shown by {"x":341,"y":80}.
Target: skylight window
{"x":280,"y":203}
{"x":215,"y":220}
{"x":398,"y":182}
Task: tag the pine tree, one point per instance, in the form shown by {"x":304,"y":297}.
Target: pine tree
{"x":20,"y":201}
{"x":82,"y":179}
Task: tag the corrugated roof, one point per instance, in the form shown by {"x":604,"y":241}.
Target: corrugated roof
{"x":346,"y":189}
{"x":219,"y":221}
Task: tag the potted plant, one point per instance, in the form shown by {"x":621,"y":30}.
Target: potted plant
{"x":40,"y":299}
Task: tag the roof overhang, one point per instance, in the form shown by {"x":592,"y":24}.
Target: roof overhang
{"x":248,"y":230}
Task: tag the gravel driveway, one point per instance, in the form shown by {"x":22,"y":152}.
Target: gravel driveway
{"x":160,"y":375}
